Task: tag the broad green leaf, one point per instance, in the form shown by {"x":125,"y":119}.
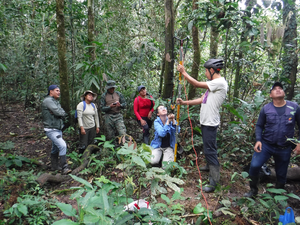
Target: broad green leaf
{"x":138,"y":160}
{"x":86,"y":198}
{"x":164,"y":197}
{"x":292,"y":195}
{"x":125,"y":219}
{"x":122,"y":166}
{"x":276,"y":191}
{"x":281,"y":198}
{"x":79,"y":66}
{"x":104,"y":199}
{"x":173,"y":186}
{"x":125,"y":151}
{"x":67,"y":209}
{"x":226,"y":203}
{"x":90,"y":219}
{"x":245,"y":174}
{"x":23,"y":209}
{"x":264,"y":203}
{"x":65,"y":222}
{"x":82,"y":181}
{"x":199,"y":209}
{"x":225,"y":211}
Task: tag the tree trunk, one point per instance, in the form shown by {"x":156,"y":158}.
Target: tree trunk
{"x":249,"y":4}
{"x":290,"y":58}
{"x":197,"y":56}
{"x":169,"y":45}
{"x":63,"y":71}
{"x":213,"y":48}
{"x":58,"y":178}
{"x":91,"y":29}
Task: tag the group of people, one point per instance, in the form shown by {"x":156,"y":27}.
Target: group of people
{"x":275,"y":124}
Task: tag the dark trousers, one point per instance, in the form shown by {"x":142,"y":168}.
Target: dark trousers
{"x":88,"y":138}
{"x":209,"y":136}
{"x":281,"y":157}
{"x":146,"y":129}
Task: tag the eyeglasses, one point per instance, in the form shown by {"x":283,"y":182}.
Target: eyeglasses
{"x":162,"y":108}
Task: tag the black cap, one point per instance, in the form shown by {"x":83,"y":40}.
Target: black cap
{"x":275,"y":85}
{"x":141,"y":87}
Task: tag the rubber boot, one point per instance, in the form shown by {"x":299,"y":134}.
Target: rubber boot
{"x":54,"y":162}
{"x":64,"y":165}
{"x":279,"y":185}
{"x":81,"y":149}
{"x":204,"y":168}
{"x":253,"y":187}
{"x":214,"y":177}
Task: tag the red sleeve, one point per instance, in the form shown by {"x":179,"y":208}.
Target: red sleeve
{"x":135,"y":108}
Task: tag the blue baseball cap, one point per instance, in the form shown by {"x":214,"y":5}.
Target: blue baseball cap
{"x":52,"y":87}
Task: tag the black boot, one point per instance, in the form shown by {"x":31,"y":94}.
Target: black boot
{"x":204,"y":168}
{"x":279,"y":185}
{"x":81,"y":149}
{"x":54,"y":162}
{"x":214,"y":177}
{"x":253,"y":187}
{"x":64,"y":165}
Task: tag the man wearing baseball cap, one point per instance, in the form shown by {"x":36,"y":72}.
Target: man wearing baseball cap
{"x":53,"y":115}
{"x":276,"y":123}
{"x":111,"y":103}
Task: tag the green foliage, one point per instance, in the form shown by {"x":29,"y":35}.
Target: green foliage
{"x":170,"y":167}
{"x":7,"y":145}
{"x":172,"y":210}
{"x":13,"y":160}
{"x":267,"y":207}
{"x":199,"y":209}
{"x":33,"y":209}
{"x":103,"y":203}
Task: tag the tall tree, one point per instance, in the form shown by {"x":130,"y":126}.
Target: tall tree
{"x":61,"y":48}
{"x":169,"y":45}
{"x":91,"y":29}
{"x":247,"y":26}
{"x":197,"y":55}
{"x":290,"y":58}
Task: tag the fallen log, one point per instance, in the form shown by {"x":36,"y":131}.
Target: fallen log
{"x":292,"y":173}
{"x":58,"y":178}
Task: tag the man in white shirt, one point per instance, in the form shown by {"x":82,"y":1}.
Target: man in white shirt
{"x":211,"y":101}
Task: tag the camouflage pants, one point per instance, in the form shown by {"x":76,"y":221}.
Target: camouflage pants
{"x":113,"y":122}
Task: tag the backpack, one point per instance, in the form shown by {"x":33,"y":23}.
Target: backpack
{"x":84,"y":107}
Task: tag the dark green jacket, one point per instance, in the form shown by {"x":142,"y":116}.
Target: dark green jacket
{"x":105,"y":108}
{"x":52,"y":113}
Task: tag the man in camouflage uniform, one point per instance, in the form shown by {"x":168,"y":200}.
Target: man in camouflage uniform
{"x":111,"y":103}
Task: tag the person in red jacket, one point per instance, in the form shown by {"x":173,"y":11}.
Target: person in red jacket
{"x":143,"y":109}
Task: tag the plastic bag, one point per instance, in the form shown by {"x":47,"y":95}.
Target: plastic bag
{"x":288,"y":216}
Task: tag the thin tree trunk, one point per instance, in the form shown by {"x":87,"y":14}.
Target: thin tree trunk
{"x":169,"y":45}
{"x":214,"y":36}
{"x":63,"y":70}
{"x":91,"y":29}
{"x":197,"y":55}
{"x":290,"y":58}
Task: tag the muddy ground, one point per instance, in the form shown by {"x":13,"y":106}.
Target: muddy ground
{"x":24,"y":129}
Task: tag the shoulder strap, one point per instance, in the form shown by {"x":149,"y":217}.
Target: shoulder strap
{"x":93,"y":105}
{"x":84,"y":106}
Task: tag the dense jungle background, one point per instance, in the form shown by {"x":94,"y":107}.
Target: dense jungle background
{"x":82,"y":44}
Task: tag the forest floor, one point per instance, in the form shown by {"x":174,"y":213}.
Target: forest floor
{"x":23,"y":127}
